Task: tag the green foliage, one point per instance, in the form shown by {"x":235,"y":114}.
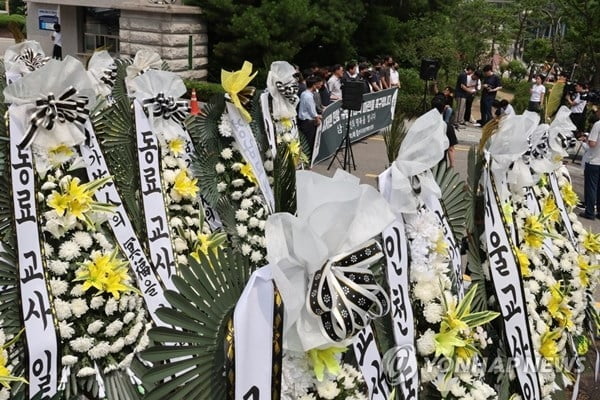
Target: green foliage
{"x":538,"y":50}
{"x":516,"y":70}
{"x":204,"y":90}
{"x":394,"y":135}
{"x":18,"y":19}
{"x":522,"y":94}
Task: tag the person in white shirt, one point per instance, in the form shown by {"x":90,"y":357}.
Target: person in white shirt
{"x":538,"y":90}
{"x":334,"y":84}
{"x":57,"y":40}
{"x":577,"y":108}
{"x":591,"y":171}
{"x":308,"y":117}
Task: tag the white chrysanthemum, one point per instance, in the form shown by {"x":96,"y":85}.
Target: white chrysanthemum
{"x":237,"y":182}
{"x":111,"y":306}
{"x":237,"y":166}
{"x":117,"y":346}
{"x":248,"y":192}
{"x":48,"y":186}
{"x":170,"y":161}
{"x":261,"y":225}
{"x":309,"y":396}
{"x":103,"y":241}
{"x":256,"y":256}
{"x":48,"y":250}
{"x":95,"y":327}
{"x":62,"y":309}
{"x":83,"y":239}
{"x":219,"y":168}
{"x":253,"y":222}
{"x":246,"y":249}
{"x":226,"y":153}
{"x":426,"y":343}
{"x":327,"y":390}
{"x":133,"y":334}
{"x":58,"y":287}
{"x":69,"y":360}
{"x":433,"y":312}
{"x":221,"y":187}
{"x":242,"y":230}
{"x":269,"y":165}
{"x":126,"y":362}
{"x":225,"y":128}
{"x":100,"y":350}
{"x":246,"y":204}
{"x":180,"y":245}
{"x":77,"y":290}
{"x":69,"y":250}
{"x":236,"y":195}
{"x":113,"y":328}
{"x":96,"y":302}
{"x":86,"y":371}
{"x":181,"y":259}
{"x":81,"y":344}
{"x":65,"y":329}
{"x":241,"y":215}
{"x":123,"y":302}
{"x":426,"y":291}
{"x":79,"y":307}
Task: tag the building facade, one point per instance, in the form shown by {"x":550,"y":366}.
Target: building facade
{"x":177,"y":32}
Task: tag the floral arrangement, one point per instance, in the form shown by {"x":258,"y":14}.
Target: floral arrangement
{"x":101,"y":318}
{"x":448,"y":328}
{"x":320,"y":375}
{"x":558,"y":280}
{"x":6,"y":377}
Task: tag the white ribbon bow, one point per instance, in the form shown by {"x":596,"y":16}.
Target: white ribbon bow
{"x":559,"y":134}
{"x":410,"y":174}
{"x":336,"y":216}
{"x":55,"y":100}
{"x":159,"y":93}
{"x":283,"y":88}
{"x":144,"y":60}
{"x":23,"y":58}
{"x":102,"y":71}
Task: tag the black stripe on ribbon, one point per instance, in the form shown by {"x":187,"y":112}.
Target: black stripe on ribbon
{"x":49,"y":110}
{"x":538,"y":151}
{"x":167,"y":108}
{"x":289,"y":90}
{"x":109,"y":76}
{"x":344,"y":294}
{"x":32,"y":60}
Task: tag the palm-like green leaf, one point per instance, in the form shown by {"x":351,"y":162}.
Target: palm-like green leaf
{"x":208,"y":292}
{"x":393,"y":136}
{"x":455,"y":197}
{"x":284,"y":187}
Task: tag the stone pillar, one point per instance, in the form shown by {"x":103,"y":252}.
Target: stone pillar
{"x":167,"y":31}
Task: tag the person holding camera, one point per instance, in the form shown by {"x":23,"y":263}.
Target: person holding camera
{"x":577,"y":104}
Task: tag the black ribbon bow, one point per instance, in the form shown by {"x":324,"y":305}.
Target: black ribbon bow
{"x":539,"y":150}
{"x":32,"y":60}
{"x":109,"y":75}
{"x":167,"y":108}
{"x":288,"y":90}
{"x":67,"y":108}
{"x":344,"y":294}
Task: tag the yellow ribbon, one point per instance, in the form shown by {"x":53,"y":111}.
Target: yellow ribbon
{"x":234,"y":84}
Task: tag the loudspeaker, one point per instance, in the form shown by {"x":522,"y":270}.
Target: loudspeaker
{"x":429,"y":69}
{"x":352,"y":95}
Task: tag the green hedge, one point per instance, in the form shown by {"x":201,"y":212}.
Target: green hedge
{"x":204,"y":90}
{"x":5,"y":19}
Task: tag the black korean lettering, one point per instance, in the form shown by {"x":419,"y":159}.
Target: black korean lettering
{"x":159,"y":232}
{"x":24,"y":200}
{"x":30,"y":270}
{"x":150,"y":181}
{"x":37,"y":308}
{"x":252,"y":394}
{"x":363,"y":345}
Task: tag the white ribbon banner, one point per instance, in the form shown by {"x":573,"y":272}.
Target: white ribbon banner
{"x":403,"y":367}
{"x":509,"y":292}
{"x":157,"y":224}
{"x":560,"y":203}
{"x":253,"y":337}
{"x":269,"y":127}
{"x":370,"y":364}
{"x":123,"y":229}
{"x":42,"y":345}
{"x":434,"y":204}
{"x":249,"y":149}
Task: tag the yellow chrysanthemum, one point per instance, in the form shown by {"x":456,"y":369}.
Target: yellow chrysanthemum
{"x":287,"y":123}
{"x":184,"y":186}
{"x":569,"y":196}
{"x":326,"y":359}
{"x":534,"y":232}
{"x":523,"y":262}
{"x":177,"y":146}
{"x":248,"y":173}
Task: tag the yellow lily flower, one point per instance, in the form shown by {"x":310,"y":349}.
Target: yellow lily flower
{"x":523,"y":262}
{"x":326,"y":359}
{"x":58,"y":202}
{"x":177,"y":146}
{"x":105,"y":273}
{"x":185,"y":186}
{"x":507,"y":210}
{"x":287,"y":123}
{"x":569,"y":196}
{"x":447,"y":342}
{"x":591,"y":242}
{"x":234,"y":82}
{"x":585,"y":270}
{"x":295,"y":151}
{"x":441,"y":247}
{"x":534,"y":232}
{"x":549,"y":209}
{"x":558,"y":308}
{"x":549,"y":346}
{"x":207,"y":242}
{"x":248,"y":173}
{"x":5,"y":375}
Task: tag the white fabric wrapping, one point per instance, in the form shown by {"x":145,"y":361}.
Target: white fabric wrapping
{"x":282,"y":72}
{"x":144,"y":60}
{"x":151,"y":84}
{"x":100,"y":62}
{"x":560,"y":126}
{"x":335,"y":215}
{"x":422,"y":148}
{"x":14,"y":64}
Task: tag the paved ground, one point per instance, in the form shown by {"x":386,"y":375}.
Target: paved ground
{"x":371,"y":160}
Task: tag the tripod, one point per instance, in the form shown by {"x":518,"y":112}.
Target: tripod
{"x":423,"y":104}
{"x":347,"y":145}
